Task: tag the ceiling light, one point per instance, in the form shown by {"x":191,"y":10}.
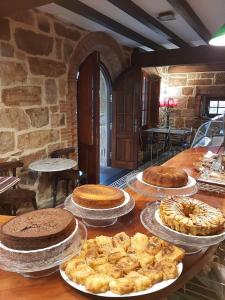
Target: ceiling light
{"x":166,"y":16}
{"x":218,"y":38}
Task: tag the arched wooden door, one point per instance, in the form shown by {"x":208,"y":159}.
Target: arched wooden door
{"x":88,"y":116}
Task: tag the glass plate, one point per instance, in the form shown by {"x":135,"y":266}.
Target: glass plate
{"x":136,"y":183}
{"x":100,"y":217}
{"x":156,"y":287}
{"x":27,"y":262}
{"x":153,"y":223}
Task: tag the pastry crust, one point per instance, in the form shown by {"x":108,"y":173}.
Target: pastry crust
{"x":191,"y":216}
{"x":98,"y":196}
{"x":165,"y":176}
{"x":126,"y":266}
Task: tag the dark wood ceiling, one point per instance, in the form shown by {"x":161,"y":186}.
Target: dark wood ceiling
{"x":162,"y":56}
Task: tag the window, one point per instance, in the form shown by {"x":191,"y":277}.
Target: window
{"x":216,"y":106}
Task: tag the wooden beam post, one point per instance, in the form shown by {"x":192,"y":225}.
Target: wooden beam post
{"x":183,"y":56}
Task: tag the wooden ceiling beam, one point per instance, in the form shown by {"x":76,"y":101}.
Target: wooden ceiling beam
{"x":182,"y":56}
{"x":143,"y":17}
{"x":93,"y":15}
{"x":185,"y":10}
{"x":7,"y":7}
{"x":196,"y":68}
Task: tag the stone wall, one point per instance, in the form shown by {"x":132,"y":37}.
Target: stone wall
{"x":186,"y":87}
{"x":37,"y":111}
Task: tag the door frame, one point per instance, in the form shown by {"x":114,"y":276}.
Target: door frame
{"x":107,"y":76}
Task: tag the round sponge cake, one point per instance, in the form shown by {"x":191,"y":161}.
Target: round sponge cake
{"x":98,"y":196}
{"x":37,"y":229}
{"x":165,"y":176}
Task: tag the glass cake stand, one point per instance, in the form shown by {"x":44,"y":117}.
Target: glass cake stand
{"x":137,"y":184}
{"x":45,"y":261}
{"x":151,"y":220}
{"x":100,"y":217}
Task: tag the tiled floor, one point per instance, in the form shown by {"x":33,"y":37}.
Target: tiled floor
{"x":109,"y":175}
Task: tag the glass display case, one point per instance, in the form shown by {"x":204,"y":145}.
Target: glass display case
{"x":210,"y":133}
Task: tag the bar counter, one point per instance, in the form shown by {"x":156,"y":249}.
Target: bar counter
{"x":15,"y":287}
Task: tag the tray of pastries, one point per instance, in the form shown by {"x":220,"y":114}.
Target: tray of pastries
{"x":123,"y":266}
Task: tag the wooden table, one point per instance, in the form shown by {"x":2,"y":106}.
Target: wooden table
{"x":15,"y":287}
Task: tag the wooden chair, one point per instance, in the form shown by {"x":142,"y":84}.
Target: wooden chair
{"x":75,"y":177}
{"x":13,"y":198}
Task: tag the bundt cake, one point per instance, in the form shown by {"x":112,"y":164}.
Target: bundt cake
{"x":191,"y":216}
{"x":168,"y":177}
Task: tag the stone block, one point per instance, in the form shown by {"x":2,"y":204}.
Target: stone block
{"x":192,"y":75}
{"x":54,"y":108}
{"x":204,"y":81}
{"x":207,"y":75}
{"x":39,"y":116}
{"x":12,"y":73}
{"x":68,"y":50}
{"x":187,"y":90}
{"x":7,"y":139}
{"x":46,"y":67}
{"x":58,"y":120}
{"x":54,"y":147}
{"x":188,"y":112}
{"x":69,"y":33}
{"x":23,"y":16}
{"x":51,"y":91}
{"x":33,"y":43}
{"x":181,"y":103}
{"x":29,"y":158}
{"x":7,"y":50}
{"x":177,"y":81}
{"x":4,"y":29}
{"x":179,"y":123}
{"x":192,"y":122}
{"x":220,"y":78}
{"x":22,"y":96}
{"x":43,"y":23}
{"x":28,"y":178}
{"x":37,"y":139}
{"x":191,"y":102}
{"x":14,"y":118}
{"x":58,"y":46}
{"x":62,"y":83}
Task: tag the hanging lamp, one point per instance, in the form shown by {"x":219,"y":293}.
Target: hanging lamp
{"x":218,"y":38}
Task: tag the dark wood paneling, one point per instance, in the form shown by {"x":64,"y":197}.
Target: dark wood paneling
{"x":196,"y":68}
{"x":125,"y":126}
{"x":10,"y":6}
{"x":142,"y":16}
{"x":184,"y":9}
{"x":93,"y":15}
{"x":88,"y":116}
{"x":186,"y":56}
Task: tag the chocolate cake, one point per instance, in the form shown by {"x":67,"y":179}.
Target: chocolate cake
{"x":37,"y":229}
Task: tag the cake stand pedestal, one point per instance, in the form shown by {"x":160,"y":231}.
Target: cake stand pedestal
{"x":191,"y":244}
{"x":137,"y":184}
{"x":100,"y":217}
{"x":43,"y":262}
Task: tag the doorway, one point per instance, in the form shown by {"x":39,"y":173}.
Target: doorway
{"x":94,"y":121}
{"x":107,"y":173}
